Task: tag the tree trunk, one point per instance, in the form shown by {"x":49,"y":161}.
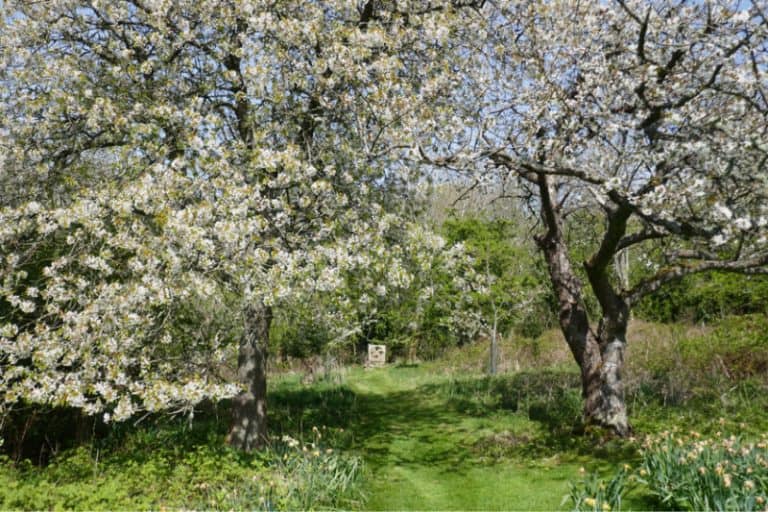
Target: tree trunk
{"x":621,"y":266}
{"x":249,"y":409}
{"x":599,"y":356}
{"x":494,"y":357}
{"x":585,"y":345}
{"x":604,"y":402}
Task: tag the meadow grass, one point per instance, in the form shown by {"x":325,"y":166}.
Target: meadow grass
{"x":437,"y":435}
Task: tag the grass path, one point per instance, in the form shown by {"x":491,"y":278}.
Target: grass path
{"x":437,"y":441}
{"x":423,"y":453}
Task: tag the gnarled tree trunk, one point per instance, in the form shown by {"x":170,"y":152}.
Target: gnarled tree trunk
{"x":249,"y":409}
{"x":600,"y":355}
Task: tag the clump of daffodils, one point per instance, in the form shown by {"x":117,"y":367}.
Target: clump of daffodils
{"x":596,"y":494}
{"x":692,"y":472}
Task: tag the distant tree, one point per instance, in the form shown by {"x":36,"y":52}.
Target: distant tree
{"x":654,"y":116}
{"x":517,"y":293}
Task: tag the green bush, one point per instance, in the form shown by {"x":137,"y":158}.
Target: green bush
{"x":299,"y":331}
{"x":737,"y":347}
{"x":519,"y":287}
{"x":706,"y":298}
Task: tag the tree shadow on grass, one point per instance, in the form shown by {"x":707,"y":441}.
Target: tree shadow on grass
{"x":373,"y":422}
{"x":423,"y":420}
{"x":549,"y":399}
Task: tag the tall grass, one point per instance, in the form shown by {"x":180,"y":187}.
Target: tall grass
{"x":596,"y":494}
{"x":316,"y":476}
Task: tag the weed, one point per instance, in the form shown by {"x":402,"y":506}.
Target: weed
{"x":170,"y":465}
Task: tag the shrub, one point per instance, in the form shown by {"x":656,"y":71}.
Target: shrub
{"x":707,"y":297}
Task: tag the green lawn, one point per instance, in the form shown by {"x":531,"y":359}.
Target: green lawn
{"x":431,"y":442}
{"x":426,"y":456}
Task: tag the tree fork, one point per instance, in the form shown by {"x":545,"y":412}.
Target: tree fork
{"x":600,"y":356}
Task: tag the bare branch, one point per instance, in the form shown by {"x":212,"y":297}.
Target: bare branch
{"x":639,"y":237}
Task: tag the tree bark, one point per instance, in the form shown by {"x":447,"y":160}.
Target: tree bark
{"x":248,"y":431}
{"x":605,"y":405}
{"x":604,"y":402}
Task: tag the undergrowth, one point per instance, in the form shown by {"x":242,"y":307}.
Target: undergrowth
{"x":160,"y":467}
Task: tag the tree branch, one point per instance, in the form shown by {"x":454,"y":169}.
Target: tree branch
{"x":502,"y":159}
{"x":639,"y":237}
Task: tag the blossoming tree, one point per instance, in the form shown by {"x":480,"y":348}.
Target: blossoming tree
{"x":652,"y":114}
{"x":160,"y":159}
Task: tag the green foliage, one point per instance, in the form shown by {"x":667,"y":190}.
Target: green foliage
{"x":437,"y":309}
{"x":738,"y":345}
{"x":422,"y":302}
{"x":80,"y":479}
{"x":685,"y":472}
{"x":300,"y":331}
{"x":323,"y":403}
{"x":438,"y":435}
{"x":706,"y":298}
{"x":720,"y":365}
{"x":412,"y":327}
{"x":548,"y":396}
{"x":177,"y":466}
{"x":694,"y":473}
{"x":562,"y":411}
{"x":519,"y":287}
{"x":317,"y":475}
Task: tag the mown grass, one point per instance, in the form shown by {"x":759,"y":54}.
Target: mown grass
{"x":437,"y":435}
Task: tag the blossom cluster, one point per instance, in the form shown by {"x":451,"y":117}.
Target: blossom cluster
{"x":657,"y":108}
{"x":165,"y":164}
